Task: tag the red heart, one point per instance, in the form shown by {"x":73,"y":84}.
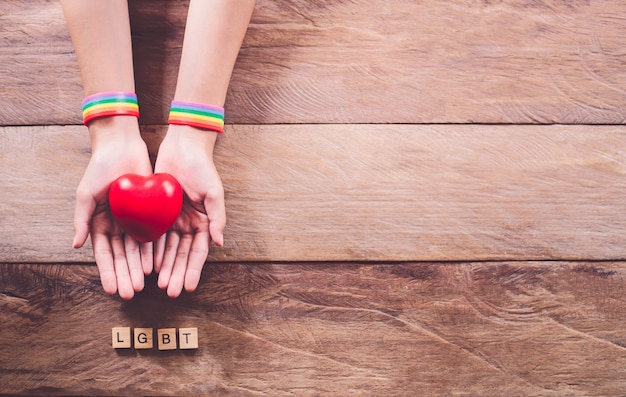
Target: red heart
{"x":145,"y":206}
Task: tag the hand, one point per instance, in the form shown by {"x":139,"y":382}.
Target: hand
{"x":117,"y":149}
{"x":180,"y":254}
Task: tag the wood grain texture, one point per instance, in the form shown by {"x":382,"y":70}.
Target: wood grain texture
{"x":344,"y":62}
{"x":359,"y":192}
{"x":531,"y":329}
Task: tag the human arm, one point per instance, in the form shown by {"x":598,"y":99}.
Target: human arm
{"x":213,"y":36}
{"x":100,"y":32}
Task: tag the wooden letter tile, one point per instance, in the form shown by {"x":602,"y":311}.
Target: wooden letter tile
{"x":166,"y":338}
{"x":121,"y":338}
{"x":188,"y":338}
{"x":143,"y":338}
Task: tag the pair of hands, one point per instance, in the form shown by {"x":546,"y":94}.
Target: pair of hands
{"x":179,"y":255}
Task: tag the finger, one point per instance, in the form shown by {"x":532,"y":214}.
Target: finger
{"x":169,"y":256}
{"x":104,"y":260}
{"x":85,"y":207}
{"x":216,"y":212}
{"x":159,"y":250}
{"x":177,"y":279}
{"x":133,"y":260}
{"x":197,"y":258}
{"x":147,"y":257}
{"x":124,"y":282}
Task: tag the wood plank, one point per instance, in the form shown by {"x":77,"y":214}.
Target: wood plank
{"x":359,"y":192}
{"x":532,"y":329}
{"x":344,"y":62}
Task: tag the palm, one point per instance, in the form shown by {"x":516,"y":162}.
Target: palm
{"x":122,"y":261}
{"x":181,"y":253}
{"x":192,"y":218}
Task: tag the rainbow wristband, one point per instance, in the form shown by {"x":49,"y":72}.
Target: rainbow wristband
{"x":207,"y":117}
{"x":114,"y":103}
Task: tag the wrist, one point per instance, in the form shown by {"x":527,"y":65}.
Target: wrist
{"x":185,"y":137}
{"x":116,"y":129}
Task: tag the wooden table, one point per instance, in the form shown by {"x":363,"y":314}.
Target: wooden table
{"x":423,"y":198}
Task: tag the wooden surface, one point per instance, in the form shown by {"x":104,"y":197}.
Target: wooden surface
{"x":372,"y":61}
{"x":543,"y":329}
{"x":401,"y":218}
{"x":367,"y":192}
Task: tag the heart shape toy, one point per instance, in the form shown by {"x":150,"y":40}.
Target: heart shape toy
{"x":145,"y":206}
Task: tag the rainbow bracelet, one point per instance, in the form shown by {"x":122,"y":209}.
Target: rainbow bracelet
{"x":207,"y":117}
{"x":113,"y":103}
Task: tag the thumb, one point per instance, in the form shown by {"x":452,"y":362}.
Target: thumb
{"x":216,"y":213}
{"x":85,"y":207}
